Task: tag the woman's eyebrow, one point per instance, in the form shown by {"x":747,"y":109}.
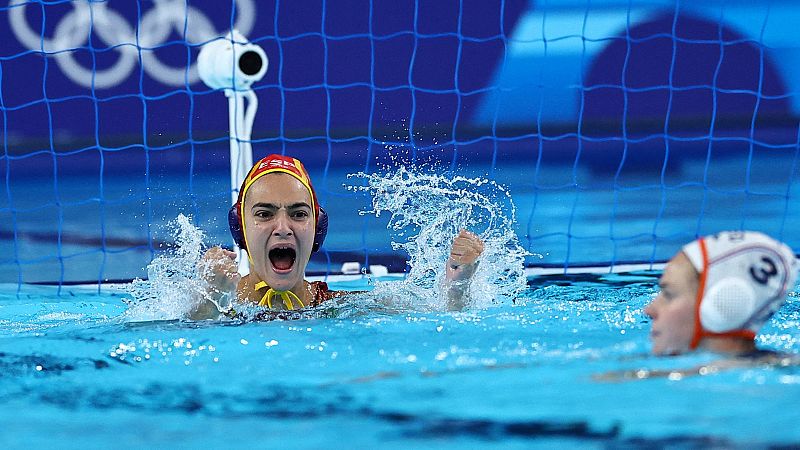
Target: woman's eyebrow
{"x":264,"y":205}
{"x":273,"y":206}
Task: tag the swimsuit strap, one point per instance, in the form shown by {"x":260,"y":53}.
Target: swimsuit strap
{"x":286,"y":296}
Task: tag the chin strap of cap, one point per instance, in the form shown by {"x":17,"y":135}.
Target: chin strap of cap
{"x":286,"y":296}
{"x":699,"y":331}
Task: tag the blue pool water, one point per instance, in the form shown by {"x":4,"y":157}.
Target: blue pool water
{"x":78,"y":367}
{"x":78,"y":370}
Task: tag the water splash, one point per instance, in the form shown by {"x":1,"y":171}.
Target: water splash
{"x":427,"y":211}
{"x":174,"y":284}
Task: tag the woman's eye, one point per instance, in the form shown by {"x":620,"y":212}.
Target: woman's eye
{"x":300,"y":214}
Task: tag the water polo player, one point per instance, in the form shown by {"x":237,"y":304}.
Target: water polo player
{"x":718,"y":291}
{"x":278,"y":221}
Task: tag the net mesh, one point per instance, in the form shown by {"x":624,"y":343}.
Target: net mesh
{"x":621,"y":129}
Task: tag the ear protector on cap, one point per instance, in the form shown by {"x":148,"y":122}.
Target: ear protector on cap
{"x":727,"y":305}
{"x":235,"y":223}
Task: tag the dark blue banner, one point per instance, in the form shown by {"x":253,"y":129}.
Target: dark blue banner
{"x":126,"y":71}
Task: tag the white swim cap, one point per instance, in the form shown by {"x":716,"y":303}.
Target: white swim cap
{"x":744,"y":278}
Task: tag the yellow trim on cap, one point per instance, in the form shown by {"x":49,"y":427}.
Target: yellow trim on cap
{"x":247,"y":185}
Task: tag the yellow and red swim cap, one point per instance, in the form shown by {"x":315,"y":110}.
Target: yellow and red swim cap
{"x":272,"y":164}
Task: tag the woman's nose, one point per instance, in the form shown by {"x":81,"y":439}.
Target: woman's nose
{"x":650,"y":310}
{"x":282,"y":225}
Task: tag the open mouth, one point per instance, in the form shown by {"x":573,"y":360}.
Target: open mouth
{"x":282,"y":259}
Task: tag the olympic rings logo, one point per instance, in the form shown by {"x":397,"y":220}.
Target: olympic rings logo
{"x":90,"y":16}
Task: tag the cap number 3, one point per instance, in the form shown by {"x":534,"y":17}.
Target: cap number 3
{"x":764,"y":273}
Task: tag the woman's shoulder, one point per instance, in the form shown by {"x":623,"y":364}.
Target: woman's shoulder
{"x":769,"y":357}
{"x":321,"y":292}
{"x":755,"y":358}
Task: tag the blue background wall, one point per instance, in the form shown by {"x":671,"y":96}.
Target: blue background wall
{"x":345,"y":67}
{"x":563,"y":50}
{"x":622,"y":128}
{"x":335,"y":65}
